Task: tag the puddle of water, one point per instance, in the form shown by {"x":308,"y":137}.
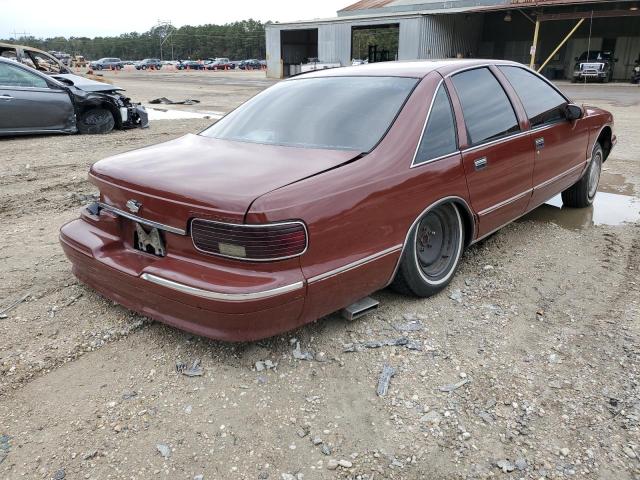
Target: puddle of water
{"x":607,"y":209}
{"x":169,"y":114}
{"x":615,"y":183}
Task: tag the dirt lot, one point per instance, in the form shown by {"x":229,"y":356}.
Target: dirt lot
{"x":527,"y":366}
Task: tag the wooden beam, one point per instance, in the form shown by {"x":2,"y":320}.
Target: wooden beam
{"x":596,"y":14}
{"x":534,"y":46}
{"x":564,"y":40}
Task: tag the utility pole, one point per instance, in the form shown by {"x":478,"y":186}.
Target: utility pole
{"x":164,"y":36}
{"x":23,"y":34}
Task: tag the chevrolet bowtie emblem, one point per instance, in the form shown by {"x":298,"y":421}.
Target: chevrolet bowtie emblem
{"x":134,"y":206}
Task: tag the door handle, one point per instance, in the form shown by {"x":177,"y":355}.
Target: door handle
{"x":480,"y":163}
{"x":539,"y":143}
{"x":6,"y":97}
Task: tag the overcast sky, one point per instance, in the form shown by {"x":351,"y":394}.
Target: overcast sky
{"x":45,"y":18}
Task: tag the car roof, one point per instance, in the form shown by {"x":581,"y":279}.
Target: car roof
{"x":22,"y":47}
{"x":411,"y":68}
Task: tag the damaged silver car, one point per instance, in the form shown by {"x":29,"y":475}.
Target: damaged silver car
{"x":50,"y":99}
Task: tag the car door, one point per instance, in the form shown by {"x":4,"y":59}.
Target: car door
{"x":497,"y":152}
{"x":561,"y":144}
{"x":29,"y":104}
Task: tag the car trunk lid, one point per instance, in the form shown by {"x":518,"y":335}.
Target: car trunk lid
{"x":205,"y":177}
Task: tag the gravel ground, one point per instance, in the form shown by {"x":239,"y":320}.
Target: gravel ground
{"x":525,"y":367}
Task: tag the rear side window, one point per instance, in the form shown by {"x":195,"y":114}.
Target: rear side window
{"x":439,"y":137}
{"x":542,"y":103}
{"x":488,"y":113}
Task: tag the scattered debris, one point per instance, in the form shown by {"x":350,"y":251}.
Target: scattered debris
{"x":198,"y":477}
{"x":345,"y":463}
{"x":5,"y":446}
{"x":385,"y":377}
{"x":59,"y":475}
{"x":90,"y":455}
{"x":412,"y":324}
{"x":129,"y":394}
{"x":4,"y":311}
{"x":433,"y":417}
{"x":300,"y":355}
{"x":456,"y":295}
{"x":332,"y":464}
{"x":398,"y":342}
{"x":521,"y":464}
{"x":166,"y":101}
{"x":505,"y":465}
{"x":265,"y":365}
{"x":73,"y":300}
{"x":195,"y":370}
{"x":454,"y":386}
{"x":164,"y":450}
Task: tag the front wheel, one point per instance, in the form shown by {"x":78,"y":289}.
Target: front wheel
{"x":582,"y":193}
{"x":432,"y":252}
{"x":96,"y":120}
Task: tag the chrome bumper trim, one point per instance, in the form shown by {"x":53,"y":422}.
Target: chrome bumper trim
{"x":225,"y":297}
{"x":143,"y":221}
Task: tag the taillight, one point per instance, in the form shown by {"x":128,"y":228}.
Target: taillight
{"x":270,"y":241}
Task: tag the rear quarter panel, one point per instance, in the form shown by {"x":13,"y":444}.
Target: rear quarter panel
{"x":364,"y":207}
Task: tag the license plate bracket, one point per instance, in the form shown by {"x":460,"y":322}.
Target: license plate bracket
{"x":149,"y":241}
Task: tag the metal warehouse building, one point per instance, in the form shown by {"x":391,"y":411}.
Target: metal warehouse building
{"x":554,"y":31}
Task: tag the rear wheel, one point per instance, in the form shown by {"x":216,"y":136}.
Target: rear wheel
{"x":582,"y":193}
{"x":96,"y":120}
{"x":432,"y":252}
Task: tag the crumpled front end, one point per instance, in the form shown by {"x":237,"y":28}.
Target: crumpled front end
{"x":133,"y":115}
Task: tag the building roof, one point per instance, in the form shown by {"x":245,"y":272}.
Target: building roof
{"x":405,"y":6}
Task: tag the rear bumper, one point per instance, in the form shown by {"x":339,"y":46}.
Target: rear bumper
{"x":195,"y":297}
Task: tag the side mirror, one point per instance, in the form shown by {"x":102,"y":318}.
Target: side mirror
{"x":573,"y":111}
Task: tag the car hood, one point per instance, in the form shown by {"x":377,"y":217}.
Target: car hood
{"x":85,"y":84}
{"x":196,"y":174}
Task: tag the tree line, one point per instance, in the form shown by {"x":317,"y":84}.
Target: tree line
{"x":237,"y":40}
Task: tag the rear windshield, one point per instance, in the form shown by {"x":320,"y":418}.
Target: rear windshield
{"x":346,"y":113}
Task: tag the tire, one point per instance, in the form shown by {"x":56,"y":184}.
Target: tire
{"x":96,"y":120}
{"x":143,"y":67}
{"x":98,"y":67}
{"x":432,"y":252}
{"x":582,"y":193}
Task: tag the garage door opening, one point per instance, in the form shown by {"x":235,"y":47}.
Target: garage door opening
{"x":298,"y":47}
{"x":375,"y":43}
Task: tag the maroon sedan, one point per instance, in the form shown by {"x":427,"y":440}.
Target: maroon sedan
{"x":329,"y":186}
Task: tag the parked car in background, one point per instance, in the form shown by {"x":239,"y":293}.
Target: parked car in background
{"x":107,"y":63}
{"x":594,"y":65}
{"x":34,"y":102}
{"x":221,"y":64}
{"x":149,"y":63}
{"x":190,"y":65}
{"x":263,"y":223}
{"x":251,"y":64}
{"x":34,"y":58}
